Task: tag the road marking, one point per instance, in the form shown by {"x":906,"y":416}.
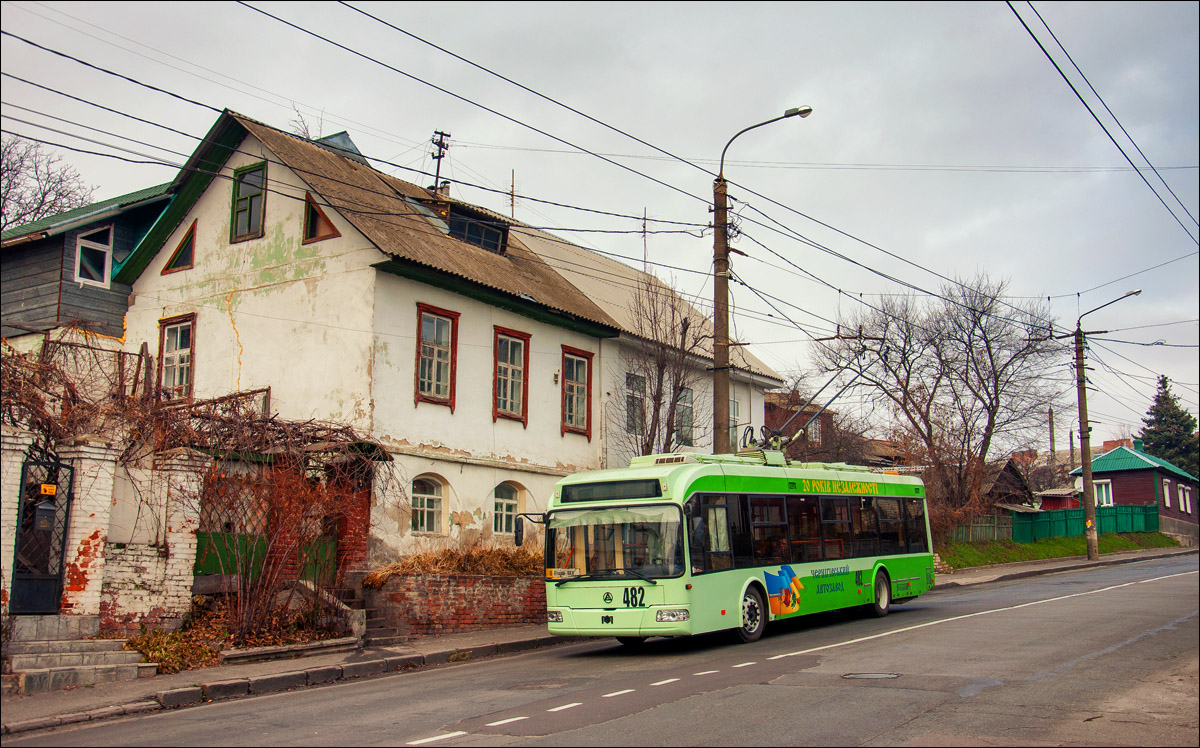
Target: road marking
{"x":707,"y":672}
{"x":572,"y":705}
{"x":746,"y":664}
{"x":664,"y":682}
{"x":436,"y":738}
{"x":972,"y":615}
{"x":617,"y":693}
{"x":505,"y":721}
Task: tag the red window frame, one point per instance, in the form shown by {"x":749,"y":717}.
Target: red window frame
{"x":586,"y":355}
{"x":311,"y":203}
{"x":524,"y":337}
{"x":418,"y":397}
{"x":189,"y":234}
{"x":163,"y":324}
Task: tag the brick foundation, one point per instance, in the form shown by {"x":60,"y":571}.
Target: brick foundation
{"x":424,"y":604}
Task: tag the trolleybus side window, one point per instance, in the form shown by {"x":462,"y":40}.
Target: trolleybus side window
{"x":835,"y":527}
{"x":804,"y":527}
{"x":769,"y":530}
{"x":717,"y":553}
{"x":739,"y":532}
{"x":865,"y":527}
{"x":891,"y":526}
{"x":915,"y":515}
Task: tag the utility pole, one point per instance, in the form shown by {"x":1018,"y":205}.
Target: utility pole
{"x":721,"y":440}
{"x":1085,"y":433}
{"x":439,"y":141}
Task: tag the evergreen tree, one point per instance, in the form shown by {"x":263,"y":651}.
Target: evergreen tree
{"x":1169,"y":431}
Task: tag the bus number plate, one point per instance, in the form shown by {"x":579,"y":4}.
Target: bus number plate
{"x":635,"y":597}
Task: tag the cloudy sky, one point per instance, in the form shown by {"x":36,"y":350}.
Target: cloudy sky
{"x":943,"y":142}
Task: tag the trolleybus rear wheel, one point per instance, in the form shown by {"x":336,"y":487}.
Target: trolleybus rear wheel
{"x":883,"y":594}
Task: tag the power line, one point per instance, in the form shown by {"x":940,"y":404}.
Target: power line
{"x":1098,"y":122}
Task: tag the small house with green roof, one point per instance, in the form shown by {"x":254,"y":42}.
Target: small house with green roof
{"x":1130,"y":476}
{"x":61,"y":270}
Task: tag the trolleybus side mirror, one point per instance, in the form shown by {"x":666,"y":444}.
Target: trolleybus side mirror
{"x":519,"y":532}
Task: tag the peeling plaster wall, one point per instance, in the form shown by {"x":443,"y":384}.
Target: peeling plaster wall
{"x":271,"y":312}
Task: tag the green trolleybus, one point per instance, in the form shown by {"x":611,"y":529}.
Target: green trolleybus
{"x":683,"y":544}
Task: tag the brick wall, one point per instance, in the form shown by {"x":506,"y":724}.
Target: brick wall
{"x":142,"y":586}
{"x":423,"y":604}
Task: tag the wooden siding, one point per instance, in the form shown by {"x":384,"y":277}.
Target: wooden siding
{"x":29,"y":294}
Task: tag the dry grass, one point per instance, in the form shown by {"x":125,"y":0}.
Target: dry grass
{"x":480,"y":560}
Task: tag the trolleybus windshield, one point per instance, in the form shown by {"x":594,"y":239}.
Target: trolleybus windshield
{"x":643,"y":542}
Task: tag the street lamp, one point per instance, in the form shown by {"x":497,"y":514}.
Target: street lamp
{"x":1085,"y":435}
{"x":721,"y":439}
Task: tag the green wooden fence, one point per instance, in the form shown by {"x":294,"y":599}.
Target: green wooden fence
{"x":1065,"y":523}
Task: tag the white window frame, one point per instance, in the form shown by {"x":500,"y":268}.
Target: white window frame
{"x":178,"y":364}
{"x":1103,"y":487}
{"x":814,"y":431}
{"x":428,"y":506}
{"x":505,"y":509}
{"x":685,"y":427}
{"x":635,"y":403}
{"x":82,"y":243}
{"x":435,"y":366}
{"x":1167,"y":492}
{"x":735,"y":413}
{"x":1183,"y":498}
{"x":510,"y":375}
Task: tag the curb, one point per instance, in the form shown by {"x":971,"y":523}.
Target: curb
{"x":950,"y":584}
{"x":232,"y":688}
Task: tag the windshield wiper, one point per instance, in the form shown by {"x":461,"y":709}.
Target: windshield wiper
{"x":597,"y":575}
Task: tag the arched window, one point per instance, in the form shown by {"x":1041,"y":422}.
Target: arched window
{"x":426,"y":505}
{"x":506,"y":508}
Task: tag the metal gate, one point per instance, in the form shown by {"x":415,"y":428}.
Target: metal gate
{"x":42,"y":516}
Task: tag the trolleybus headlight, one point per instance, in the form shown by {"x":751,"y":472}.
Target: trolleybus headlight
{"x":554,"y":616}
{"x":671,"y":616}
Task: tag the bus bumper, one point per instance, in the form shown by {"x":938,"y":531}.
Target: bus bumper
{"x":621,"y":622}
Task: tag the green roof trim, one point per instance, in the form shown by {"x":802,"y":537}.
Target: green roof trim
{"x":193,"y":180}
{"x":1124,"y":459}
{"x":51,"y":225}
{"x":499,"y":299}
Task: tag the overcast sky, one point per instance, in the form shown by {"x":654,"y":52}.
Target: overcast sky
{"x":943,"y":142}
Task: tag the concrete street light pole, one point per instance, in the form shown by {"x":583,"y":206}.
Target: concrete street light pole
{"x":1085,"y":434}
{"x":722,"y":443}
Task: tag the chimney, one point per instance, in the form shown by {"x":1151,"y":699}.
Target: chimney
{"x":444,"y":189}
{"x":1137,"y":445}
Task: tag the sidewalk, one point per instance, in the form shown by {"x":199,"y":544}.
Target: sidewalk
{"x":42,"y":710}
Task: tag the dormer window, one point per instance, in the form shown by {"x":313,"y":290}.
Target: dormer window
{"x":477,"y":231}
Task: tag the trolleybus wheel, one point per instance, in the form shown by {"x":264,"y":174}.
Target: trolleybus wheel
{"x":754,"y":616}
{"x":883,"y":594}
{"x":632,"y":642}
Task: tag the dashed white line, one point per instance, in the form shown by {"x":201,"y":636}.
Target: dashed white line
{"x":436,"y":738}
{"x":505,"y":721}
{"x":706,"y":672}
{"x":746,"y":664}
{"x":618,"y":693}
{"x":664,"y":682}
{"x":572,"y":705}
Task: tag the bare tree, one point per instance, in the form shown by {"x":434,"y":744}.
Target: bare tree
{"x":35,"y":183}
{"x":302,"y":127}
{"x":834,"y":436}
{"x":663,"y":370}
{"x":960,"y":373}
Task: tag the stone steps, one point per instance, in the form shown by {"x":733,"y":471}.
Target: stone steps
{"x":65,"y":657}
{"x":51,"y":653}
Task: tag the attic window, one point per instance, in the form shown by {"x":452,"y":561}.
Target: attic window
{"x":316,"y":225}
{"x":249,"y":201}
{"x":185,"y":253}
{"x":476,"y":231}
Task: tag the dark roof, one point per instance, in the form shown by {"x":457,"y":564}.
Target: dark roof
{"x":51,"y":225}
{"x":1124,"y":459}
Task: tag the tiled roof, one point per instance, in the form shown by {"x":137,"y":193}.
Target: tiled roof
{"x":1124,"y":458}
{"x":51,"y":225}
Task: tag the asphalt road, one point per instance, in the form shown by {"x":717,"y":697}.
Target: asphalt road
{"x":1100,"y":656}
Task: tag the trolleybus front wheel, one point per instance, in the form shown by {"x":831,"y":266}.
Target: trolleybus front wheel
{"x":754,"y":616}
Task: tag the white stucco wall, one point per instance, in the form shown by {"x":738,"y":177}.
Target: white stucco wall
{"x":270,"y":311}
